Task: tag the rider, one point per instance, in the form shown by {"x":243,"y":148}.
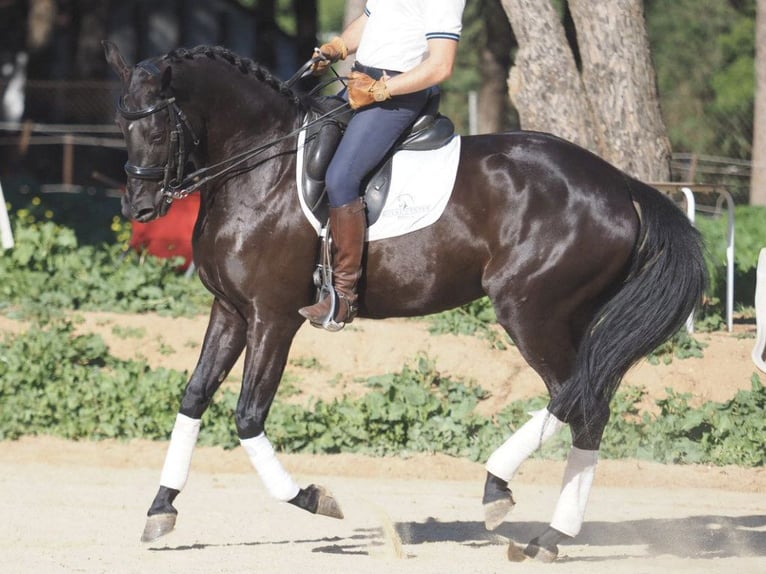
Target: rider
{"x":403,"y":48}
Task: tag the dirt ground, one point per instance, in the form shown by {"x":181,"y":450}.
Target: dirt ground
{"x":80,"y":506}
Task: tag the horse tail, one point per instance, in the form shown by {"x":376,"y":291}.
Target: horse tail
{"x":666,"y":280}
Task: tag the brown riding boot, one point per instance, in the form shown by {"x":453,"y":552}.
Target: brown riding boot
{"x":348,"y":224}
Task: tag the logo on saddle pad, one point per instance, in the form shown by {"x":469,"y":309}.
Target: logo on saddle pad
{"x":408,"y":193}
{"x":404,"y":206}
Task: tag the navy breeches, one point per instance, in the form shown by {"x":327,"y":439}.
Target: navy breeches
{"x":370,"y":134}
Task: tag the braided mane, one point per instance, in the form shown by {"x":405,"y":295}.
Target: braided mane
{"x":243,"y":65}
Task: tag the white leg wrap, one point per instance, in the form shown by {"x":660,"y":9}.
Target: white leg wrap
{"x":183,"y":439}
{"x":507,"y":459}
{"x":578,"y":480}
{"x":275,"y":478}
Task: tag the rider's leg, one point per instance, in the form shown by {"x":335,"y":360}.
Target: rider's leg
{"x":348,"y":225}
{"x":369,"y":136}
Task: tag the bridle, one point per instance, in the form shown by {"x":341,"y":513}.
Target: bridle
{"x":180,"y":127}
{"x":178,"y":186}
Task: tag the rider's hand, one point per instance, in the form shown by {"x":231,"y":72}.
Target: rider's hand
{"x":363,"y":90}
{"x":327,"y":54}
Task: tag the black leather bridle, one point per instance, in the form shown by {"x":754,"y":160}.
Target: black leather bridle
{"x":172,"y":177}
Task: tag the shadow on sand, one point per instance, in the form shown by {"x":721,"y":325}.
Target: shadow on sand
{"x":699,"y":537}
{"x":690,"y":537}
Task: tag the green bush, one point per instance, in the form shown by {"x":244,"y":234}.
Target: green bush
{"x":53,"y":382}
{"x":750,"y":237}
{"x":56,"y":382}
{"x":48,"y":272}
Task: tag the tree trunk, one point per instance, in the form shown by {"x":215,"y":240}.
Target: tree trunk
{"x":544,"y":84}
{"x":758,"y":174}
{"x":613,"y":107}
{"x":494,"y":107}
{"x":619,"y":78}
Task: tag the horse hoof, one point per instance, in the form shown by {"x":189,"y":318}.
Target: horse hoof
{"x":158,"y":525}
{"x":541,"y":553}
{"x":515,"y":553}
{"x":327,"y":505}
{"x":496,"y":511}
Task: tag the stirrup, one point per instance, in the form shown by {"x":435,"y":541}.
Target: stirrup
{"x":329,"y":323}
{"x":323,"y":280}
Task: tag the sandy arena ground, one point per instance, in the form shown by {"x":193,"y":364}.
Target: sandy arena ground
{"x":80,"y":506}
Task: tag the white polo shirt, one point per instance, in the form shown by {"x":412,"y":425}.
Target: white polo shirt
{"x":397,"y":32}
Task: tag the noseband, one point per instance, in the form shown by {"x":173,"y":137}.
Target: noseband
{"x":179,"y":125}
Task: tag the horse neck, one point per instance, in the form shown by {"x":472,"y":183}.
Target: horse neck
{"x":240,"y":113}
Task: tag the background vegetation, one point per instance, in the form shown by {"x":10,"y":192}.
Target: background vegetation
{"x":54,"y":381}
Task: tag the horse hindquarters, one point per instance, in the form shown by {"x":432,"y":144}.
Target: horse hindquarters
{"x":667,"y":279}
{"x":665,"y":276}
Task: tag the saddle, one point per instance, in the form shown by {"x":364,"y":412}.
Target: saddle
{"x":431,"y":130}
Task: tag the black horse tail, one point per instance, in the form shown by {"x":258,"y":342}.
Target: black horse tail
{"x":666,"y":280}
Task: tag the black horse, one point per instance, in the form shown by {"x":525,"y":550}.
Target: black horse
{"x":588,"y":269}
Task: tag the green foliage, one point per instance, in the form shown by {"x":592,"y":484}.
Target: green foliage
{"x":750,"y":238}
{"x":734,"y":90}
{"x":56,"y":382}
{"x":716,"y":433}
{"x":704,"y":68}
{"x":48,"y":272}
{"x":415,"y":410}
{"x":681,"y":346}
{"x":331,"y":17}
{"x":476,"y":318}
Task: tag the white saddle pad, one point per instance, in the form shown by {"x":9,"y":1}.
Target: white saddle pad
{"x":421,"y":185}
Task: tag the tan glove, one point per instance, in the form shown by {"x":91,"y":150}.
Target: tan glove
{"x":363,"y":90}
{"x":330,"y":53}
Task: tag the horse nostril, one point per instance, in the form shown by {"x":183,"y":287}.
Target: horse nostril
{"x":144,"y":214}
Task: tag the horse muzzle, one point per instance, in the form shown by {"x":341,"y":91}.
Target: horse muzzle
{"x":144,"y":207}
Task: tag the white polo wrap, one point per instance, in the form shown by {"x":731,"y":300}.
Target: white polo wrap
{"x":275,"y":478}
{"x":507,"y":459}
{"x":578,"y":480}
{"x":183,"y":439}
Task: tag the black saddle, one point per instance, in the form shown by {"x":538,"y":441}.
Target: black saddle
{"x":430,"y":131}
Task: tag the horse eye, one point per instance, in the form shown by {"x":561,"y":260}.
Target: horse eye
{"x":156,"y":138}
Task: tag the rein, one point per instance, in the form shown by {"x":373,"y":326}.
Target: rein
{"x":200,"y":177}
{"x":180,"y":186}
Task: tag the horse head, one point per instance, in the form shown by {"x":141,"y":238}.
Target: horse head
{"x":158,"y":136}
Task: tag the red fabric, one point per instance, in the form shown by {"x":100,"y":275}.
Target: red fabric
{"x":171,"y":235}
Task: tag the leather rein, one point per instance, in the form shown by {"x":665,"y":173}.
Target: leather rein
{"x":177,"y":185}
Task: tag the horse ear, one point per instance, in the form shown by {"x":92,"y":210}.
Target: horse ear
{"x":115,"y":60}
